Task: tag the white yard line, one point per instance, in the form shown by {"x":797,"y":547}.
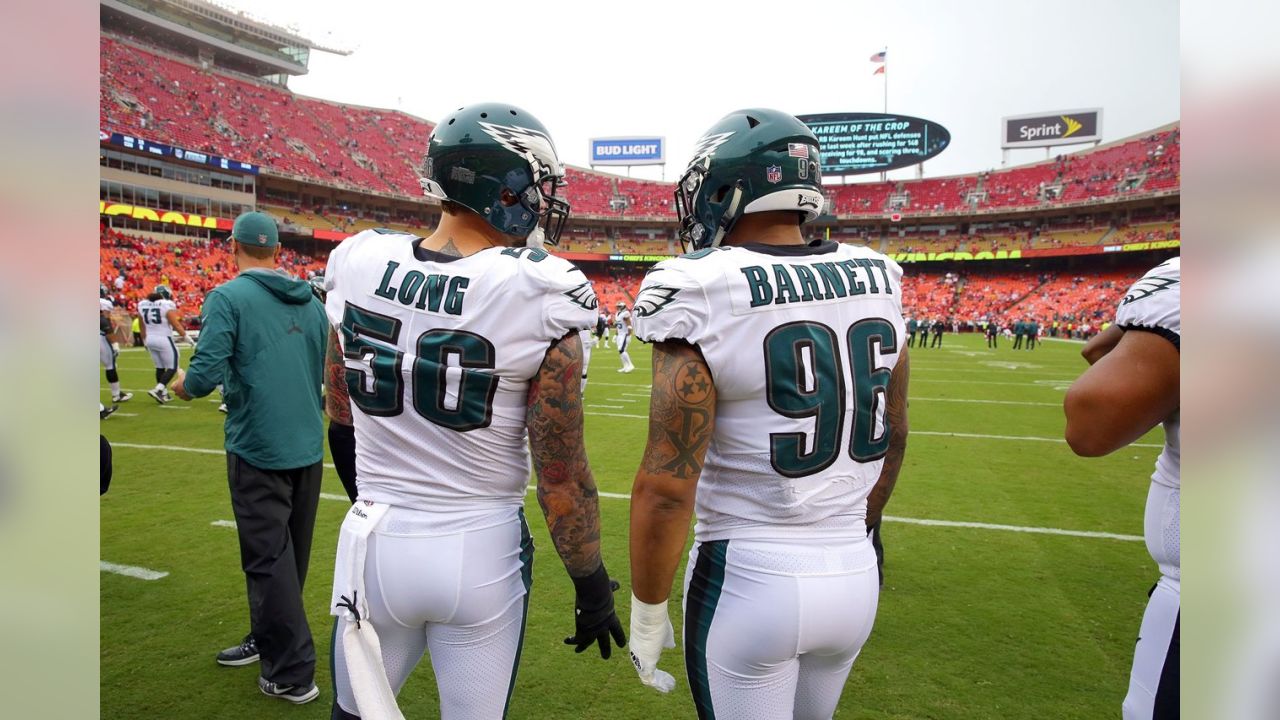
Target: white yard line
{"x":626,"y":400}
{"x":140,"y":573}
{"x":987,"y":402}
{"x":1016,"y":528}
{"x":607,"y":407}
{"x":627,"y":496}
{"x":175,"y":448}
{"x":1019,"y":438}
{"x":224,"y":523}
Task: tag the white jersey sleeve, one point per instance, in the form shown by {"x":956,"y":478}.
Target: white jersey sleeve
{"x":671,"y":305}
{"x":570,"y":302}
{"x":1154,"y":303}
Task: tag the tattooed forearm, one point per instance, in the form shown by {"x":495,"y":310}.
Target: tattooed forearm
{"x":566,"y":488}
{"x":337,"y":401}
{"x":681,"y":423}
{"x":681,"y":413}
{"x":895,"y":416}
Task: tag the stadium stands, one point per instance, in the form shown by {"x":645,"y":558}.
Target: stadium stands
{"x":148,"y":93}
{"x":190,"y":268}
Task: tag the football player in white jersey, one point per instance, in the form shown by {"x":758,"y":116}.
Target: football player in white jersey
{"x":782,"y":367}
{"x":622,"y":335}
{"x":1131,"y":386}
{"x":462,"y":360}
{"x":158,"y":314}
{"x":588,"y":338}
{"x":106,"y":350}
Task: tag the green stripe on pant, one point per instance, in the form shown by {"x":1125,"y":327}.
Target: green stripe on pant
{"x":526,"y":575}
{"x":700,"y":608}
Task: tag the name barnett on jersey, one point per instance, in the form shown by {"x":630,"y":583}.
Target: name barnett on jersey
{"x":433,"y":292}
{"x":815,"y":281}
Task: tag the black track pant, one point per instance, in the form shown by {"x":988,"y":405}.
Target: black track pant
{"x":275,"y":514}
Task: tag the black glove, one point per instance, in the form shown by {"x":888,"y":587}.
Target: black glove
{"x":873,"y":532}
{"x":593,"y":614}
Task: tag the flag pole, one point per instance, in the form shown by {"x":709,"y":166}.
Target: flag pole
{"x":886,"y":79}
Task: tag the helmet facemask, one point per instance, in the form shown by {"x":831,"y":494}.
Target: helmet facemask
{"x":696,"y":232}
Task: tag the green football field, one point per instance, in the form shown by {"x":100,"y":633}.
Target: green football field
{"x":1014,"y":582}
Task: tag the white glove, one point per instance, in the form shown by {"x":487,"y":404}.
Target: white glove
{"x":651,"y":632}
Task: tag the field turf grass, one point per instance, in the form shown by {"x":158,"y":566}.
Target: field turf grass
{"x":972,"y":622}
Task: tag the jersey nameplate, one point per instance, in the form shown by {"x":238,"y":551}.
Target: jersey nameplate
{"x":759,"y":286}
{"x":434,"y":292}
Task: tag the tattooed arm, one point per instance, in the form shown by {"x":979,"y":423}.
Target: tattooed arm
{"x":566,"y":488}
{"x":681,"y":419}
{"x":337,"y":401}
{"x":895,"y":416}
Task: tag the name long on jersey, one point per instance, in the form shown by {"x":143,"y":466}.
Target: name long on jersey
{"x":801,"y":343}
{"x":439,"y":352}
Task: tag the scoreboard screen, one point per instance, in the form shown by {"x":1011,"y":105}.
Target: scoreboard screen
{"x":854,"y":143}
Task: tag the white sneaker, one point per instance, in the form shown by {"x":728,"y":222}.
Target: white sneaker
{"x":158,"y":395}
{"x":222,"y":408}
{"x":122,"y":397}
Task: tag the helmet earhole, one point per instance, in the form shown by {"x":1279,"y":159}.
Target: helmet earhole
{"x":508,"y":198}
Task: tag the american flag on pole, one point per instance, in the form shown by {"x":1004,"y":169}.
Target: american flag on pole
{"x":879,"y":57}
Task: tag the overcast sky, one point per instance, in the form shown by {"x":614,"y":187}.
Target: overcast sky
{"x":590,"y":69}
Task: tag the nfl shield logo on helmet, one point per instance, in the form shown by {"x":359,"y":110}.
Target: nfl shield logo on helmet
{"x":773,"y":173}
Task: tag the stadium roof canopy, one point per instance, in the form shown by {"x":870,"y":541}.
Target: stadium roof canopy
{"x":215,"y":35}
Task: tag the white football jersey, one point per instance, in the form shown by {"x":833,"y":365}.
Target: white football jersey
{"x":439,"y":354}
{"x":1154,"y":304}
{"x":155,"y":315}
{"x":801,"y":342}
{"x":620,"y":321}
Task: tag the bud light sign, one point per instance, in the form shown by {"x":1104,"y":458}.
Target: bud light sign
{"x":628,"y":151}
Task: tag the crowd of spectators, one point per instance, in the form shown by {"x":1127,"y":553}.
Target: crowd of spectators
{"x":132,"y":265}
{"x":151,"y":94}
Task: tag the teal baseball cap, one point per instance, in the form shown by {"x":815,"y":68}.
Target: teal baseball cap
{"x":257,"y":229}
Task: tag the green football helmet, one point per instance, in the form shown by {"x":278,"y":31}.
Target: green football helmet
{"x":163,"y":291}
{"x":498,"y":161}
{"x":755,"y":160}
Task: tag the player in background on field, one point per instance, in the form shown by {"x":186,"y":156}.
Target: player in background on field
{"x":1131,"y":386}
{"x":780,"y":365}
{"x":588,"y":341}
{"x":911,"y":332}
{"x":993,"y":333}
{"x":462,"y":359}
{"x":622,"y":334}
{"x":107,"y":352}
{"x":158,"y":314}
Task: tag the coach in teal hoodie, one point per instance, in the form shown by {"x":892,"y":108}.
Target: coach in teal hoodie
{"x":262,"y":336}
